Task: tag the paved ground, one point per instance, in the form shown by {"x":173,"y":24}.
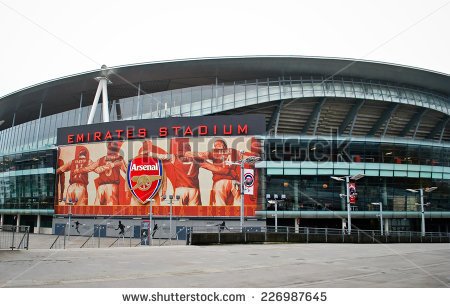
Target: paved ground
{"x":269,"y":265}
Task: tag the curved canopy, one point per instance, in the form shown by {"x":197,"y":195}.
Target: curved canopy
{"x":64,"y":93}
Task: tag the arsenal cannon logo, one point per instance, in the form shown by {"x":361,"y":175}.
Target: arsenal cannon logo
{"x":144,"y":177}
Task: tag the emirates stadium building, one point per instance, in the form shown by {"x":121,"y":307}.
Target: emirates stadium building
{"x":199,"y":139}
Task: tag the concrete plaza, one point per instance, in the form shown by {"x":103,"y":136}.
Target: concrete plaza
{"x":265,"y":265}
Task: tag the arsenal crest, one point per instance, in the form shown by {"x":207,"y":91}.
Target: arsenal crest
{"x":144,"y":177}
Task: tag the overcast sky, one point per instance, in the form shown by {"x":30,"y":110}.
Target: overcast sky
{"x":43,"y":40}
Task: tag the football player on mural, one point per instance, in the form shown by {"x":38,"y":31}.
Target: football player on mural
{"x":61,"y":181}
{"x":108,"y":168}
{"x":226,"y":176}
{"x":186,"y":169}
{"x":77,"y":192}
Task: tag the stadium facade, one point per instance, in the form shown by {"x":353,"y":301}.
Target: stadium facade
{"x":306,"y":119}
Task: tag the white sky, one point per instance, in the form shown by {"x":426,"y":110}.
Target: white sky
{"x":42,"y":40}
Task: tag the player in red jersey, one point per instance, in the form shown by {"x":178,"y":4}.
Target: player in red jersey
{"x":108,"y":168}
{"x":186,"y":169}
{"x":61,"y":181}
{"x":77,"y":191}
{"x":226,"y":177}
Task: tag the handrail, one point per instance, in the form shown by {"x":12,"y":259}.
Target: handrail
{"x":87,"y":240}
{"x":114,"y":241}
{"x":20,"y":243}
{"x":54,"y":242}
{"x":309,"y":230}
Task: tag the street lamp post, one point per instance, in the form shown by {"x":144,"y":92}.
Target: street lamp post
{"x":381,"y":215}
{"x":242,"y":195}
{"x":422,"y":210}
{"x":347,"y":179}
{"x":150,"y":214}
{"x":241,"y":163}
{"x":275,"y":201}
{"x":170,"y":215}
{"x":70,"y":218}
{"x":70,"y":214}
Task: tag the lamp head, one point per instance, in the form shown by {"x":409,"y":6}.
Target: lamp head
{"x":430,"y":189}
{"x":357,"y":177}
{"x":337,"y":178}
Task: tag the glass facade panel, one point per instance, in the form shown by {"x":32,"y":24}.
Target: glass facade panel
{"x":20,"y":188}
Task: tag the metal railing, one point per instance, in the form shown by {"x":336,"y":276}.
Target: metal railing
{"x":92,"y":237}
{"x":174,"y":238}
{"x":14,"y":237}
{"x":310,"y":235}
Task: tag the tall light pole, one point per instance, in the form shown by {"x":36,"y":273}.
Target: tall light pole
{"x":242,"y":195}
{"x":381,"y":215}
{"x":150,"y":214}
{"x":347,"y":179}
{"x":275,"y":202}
{"x":70,"y":216}
{"x":241,"y":163}
{"x":170,"y":215}
{"x":421,"y":190}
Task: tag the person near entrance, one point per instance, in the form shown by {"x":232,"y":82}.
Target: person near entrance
{"x":121,"y":227}
{"x":154,"y":230}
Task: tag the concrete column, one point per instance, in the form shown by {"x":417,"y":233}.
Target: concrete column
{"x":2,"y":219}
{"x":296,"y":195}
{"x":38,"y":224}
{"x":387,"y":225}
{"x":18,"y":221}
{"x":296,"y":220}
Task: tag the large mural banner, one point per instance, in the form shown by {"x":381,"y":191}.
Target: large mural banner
{"x":121,"y":177}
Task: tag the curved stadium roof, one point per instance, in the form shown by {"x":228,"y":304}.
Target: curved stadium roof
{"x":64,"y":93}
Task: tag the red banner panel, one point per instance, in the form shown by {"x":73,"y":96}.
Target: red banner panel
{"x":119,"y":178}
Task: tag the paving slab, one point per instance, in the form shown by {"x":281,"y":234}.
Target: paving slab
{"x":264,"y":265}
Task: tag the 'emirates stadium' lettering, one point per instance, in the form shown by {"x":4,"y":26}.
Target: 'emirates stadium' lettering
{"x":143,"y":167}
{"x":164,"y":131}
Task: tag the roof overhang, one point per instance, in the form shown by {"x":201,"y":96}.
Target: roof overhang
{"x":64,"y":93}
